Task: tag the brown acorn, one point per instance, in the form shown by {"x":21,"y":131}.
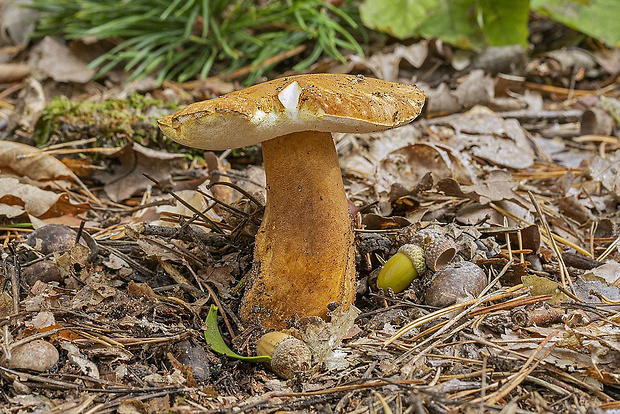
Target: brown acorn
{"x":455,"y":283}
{"x":289,"y":355}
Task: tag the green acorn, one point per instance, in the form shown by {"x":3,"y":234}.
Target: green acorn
{"x":400,"y":270}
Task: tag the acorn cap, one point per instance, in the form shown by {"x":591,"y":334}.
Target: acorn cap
{"x":416,"y":254}
{"x":313,"y":102}
{"x":439,"y":248}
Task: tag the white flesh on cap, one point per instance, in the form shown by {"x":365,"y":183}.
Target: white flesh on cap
{"x":289,"y":98}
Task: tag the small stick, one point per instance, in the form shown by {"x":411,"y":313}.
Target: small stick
{"x":38,"y":335}
{"x":608,"y":250}
{"x":570,"y":294}
{"x":526,"y":370}
{"x":593,"y":228}
{"x":13,"y":271}
{"x":539,"y":149}
{"x":509,"y":304}
{"x":188,"y":205}
{"x":521,"y":253}
{"x":8,"y":91}
{"x":539,"y":317}
{"x":565,"y":91}
{"x":132,"y":263}
{"x":217,"y":302}
{"x":79,"y":232}
{"x":68,"y":144}
{"x":546,"y":365}
{"x":38,"y":378}
{"x":508,"y":240}
{"x":106,"y":151}
{"x":226,"y":206}
{"x":563,"y":270}
{"x":524,"y":223}
{"x":483,"y":384}
{"x":524,"y":251}
{"x":483,"y":297}
{"x":241,"y":190}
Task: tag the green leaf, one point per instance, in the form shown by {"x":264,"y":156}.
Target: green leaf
{"x":505,"y":22}
{"x":217,"y":344}
{"x":455,"y":22}
{"x":399,"y":18}
{"x":469,"y":24}
{"x":597,"y":18}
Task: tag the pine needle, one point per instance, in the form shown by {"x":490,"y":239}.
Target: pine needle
{"x":181,"y":40}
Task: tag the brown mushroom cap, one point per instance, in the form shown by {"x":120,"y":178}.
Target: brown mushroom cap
{"x":315,"y":102}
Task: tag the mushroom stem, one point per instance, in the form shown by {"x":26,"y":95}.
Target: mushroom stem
{"x":304,"y":256}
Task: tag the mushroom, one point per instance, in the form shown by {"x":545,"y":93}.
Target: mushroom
{"x":304,"y":257}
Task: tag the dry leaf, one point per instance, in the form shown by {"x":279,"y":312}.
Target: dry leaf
{"x":367,"y":150}
{"x":407,"y":166}
{"x":442,"y":100}
{"x":386,"y":65}
{"x":32,"y":200}
{"x":475,"y":214}
{"x":609,"y":272}
{"x":10,"y":212}
{"x":88,"y":367}
{"x":475,"y":89}
{"x":497,"y":186}
{"x":24,"y":160}
{"x":54,"y":59}
{"x":126,"y":177}
{"x":221,"y":277}
{"x":607,"y":172}
{"x":141,"y":290}
{"x":381,"y":144}
{"x":16,"y":21}
{"x":488,"y":136}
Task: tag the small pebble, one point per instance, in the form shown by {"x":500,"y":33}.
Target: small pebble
{"x":45,"y":271}
{"x":21,"y":388}
{"x":196,"y":357}
{"x":52,"y":238}
{"x":37,"y":355}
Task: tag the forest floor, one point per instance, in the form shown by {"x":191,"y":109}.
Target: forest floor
{"x":515,"y":160}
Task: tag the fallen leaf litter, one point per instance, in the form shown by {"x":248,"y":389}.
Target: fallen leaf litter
{"x":537,"y":215}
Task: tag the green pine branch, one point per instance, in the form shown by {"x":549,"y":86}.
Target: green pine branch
{"x":194,"y":38}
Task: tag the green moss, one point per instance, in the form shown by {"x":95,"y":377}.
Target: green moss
{"x":113,"y":122}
